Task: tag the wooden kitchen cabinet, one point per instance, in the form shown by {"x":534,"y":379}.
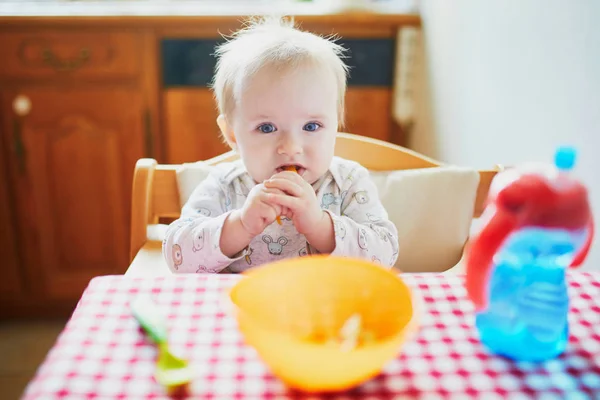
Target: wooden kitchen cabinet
{"x":72,"y":181}
{"x":81,"y":100}
{"x":190,"y":121}
{"x":75,"y":115}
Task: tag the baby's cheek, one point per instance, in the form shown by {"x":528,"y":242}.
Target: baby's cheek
{"x":258,"y":154}
{"x":319,"y":163}
{"x":259,"y":168}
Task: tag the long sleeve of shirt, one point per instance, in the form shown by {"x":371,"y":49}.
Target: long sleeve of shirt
{"x":191,"y":243}
{"x":363,"y":230}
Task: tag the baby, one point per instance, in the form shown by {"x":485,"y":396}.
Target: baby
{"x":280,"y":93}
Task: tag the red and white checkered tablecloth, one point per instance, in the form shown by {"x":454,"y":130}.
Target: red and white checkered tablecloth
{"x":102,"y":354}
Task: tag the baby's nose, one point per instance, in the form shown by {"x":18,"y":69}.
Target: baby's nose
{"x":290,"y":145}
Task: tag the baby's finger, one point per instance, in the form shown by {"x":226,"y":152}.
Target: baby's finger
{"x":285,"y":185}
{"x":266,"y":202}
{"x":268,"y":191}
{"x":271,"y":213}
{"x":290,"y":175}
{"x":291,"y":202}
{"x":286,"y":212}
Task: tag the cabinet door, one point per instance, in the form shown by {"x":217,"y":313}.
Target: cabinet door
{"x":368,"y":112}
{"x":190,"y":121}
{"x":72,"y":160}
{"x":11,"y":285}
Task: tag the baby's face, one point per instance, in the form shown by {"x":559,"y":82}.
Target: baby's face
{"x":287,"y":118}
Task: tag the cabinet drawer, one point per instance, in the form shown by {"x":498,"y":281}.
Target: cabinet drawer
{"x":75,"y":53}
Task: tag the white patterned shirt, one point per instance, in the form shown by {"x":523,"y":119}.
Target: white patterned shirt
{"x":361,"y":225}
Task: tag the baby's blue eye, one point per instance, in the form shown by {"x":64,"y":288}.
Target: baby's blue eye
{"x":311,"y":127}
{"x":266,"y":128}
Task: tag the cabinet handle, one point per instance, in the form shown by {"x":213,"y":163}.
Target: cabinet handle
{"x":72,"y":64}
{"x":148,"y":138}
{"x":21,"y":107}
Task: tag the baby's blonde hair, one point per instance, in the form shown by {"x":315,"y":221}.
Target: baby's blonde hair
{"x":277,"y":43}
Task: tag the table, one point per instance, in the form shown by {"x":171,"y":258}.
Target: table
{"x":103,"y":354}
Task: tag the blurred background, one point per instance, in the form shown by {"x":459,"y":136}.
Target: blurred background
{"x":88,"y":87}
{"x":509,"y":81}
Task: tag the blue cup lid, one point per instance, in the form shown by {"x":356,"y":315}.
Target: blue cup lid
{"x":565,"y":157}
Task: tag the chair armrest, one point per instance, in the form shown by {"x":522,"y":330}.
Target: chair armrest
{"x":141,"y":206}
{"x":149,"y":262}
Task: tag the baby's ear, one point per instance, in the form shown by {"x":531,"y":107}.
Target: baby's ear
{"x":226,"y":131}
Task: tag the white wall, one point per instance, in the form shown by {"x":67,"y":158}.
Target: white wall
{"x":506,"y":81}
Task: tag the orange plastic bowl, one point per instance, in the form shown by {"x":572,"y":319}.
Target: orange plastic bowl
{"x":291,"y":310}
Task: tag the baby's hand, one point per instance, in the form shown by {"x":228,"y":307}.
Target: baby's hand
{"x":297,"y":199}
{"x":258,"y":212}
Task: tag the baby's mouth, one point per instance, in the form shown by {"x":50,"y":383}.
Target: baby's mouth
{"x":287,"y":167}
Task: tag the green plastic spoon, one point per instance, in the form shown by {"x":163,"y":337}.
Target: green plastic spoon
{"x":171,"y":371}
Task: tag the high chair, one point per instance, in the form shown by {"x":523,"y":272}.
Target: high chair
{"x":156,"y":194}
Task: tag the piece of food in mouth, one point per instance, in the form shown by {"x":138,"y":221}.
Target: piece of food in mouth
{"x":291,"y":167}
{"x":287,"y":168}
